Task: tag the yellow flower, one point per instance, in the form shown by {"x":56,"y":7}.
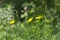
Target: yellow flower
{"x":38,"y":17}
{"x":30,"y":19}
{"x":12,"y":22}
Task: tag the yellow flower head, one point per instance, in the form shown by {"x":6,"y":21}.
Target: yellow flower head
{"x":38,"y":17}
{"x":30,"y":19}
{"x":12,"y":22}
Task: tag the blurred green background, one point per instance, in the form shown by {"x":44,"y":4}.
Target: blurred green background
{"x":29,"y":19}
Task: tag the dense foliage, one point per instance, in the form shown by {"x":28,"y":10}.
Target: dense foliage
{"x":30,"y":20}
